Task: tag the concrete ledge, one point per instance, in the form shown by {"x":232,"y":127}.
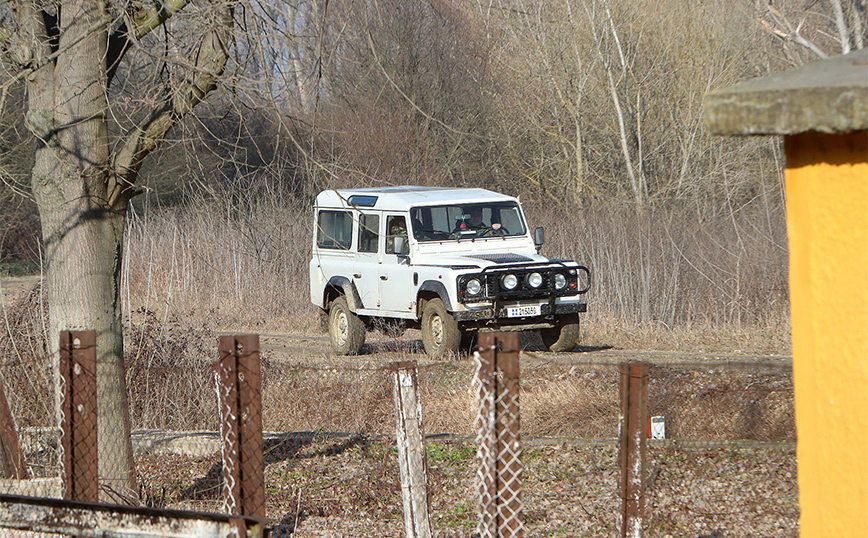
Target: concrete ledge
{"x":829,"y":96}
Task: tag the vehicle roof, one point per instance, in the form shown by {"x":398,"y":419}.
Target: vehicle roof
{"x":403,"y":198}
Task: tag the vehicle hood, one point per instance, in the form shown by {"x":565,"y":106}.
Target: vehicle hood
{"x":480,"y":260}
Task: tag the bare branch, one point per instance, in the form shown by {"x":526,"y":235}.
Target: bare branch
{"x":145,"y":18}
{"x":211,"y":59}
{"x":841,"y":24}
{"x":790,"y":33}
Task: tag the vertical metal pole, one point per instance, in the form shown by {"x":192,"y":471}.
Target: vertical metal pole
{"x":412,"y":461}
{"x":509,"y":468}
{"x":11,"y":459}
{"x":488,"y":523}
{"x":250,"y":426}
{"x":632,"y":447}
{"x":79,"y":415}
{"x":239,"y":386}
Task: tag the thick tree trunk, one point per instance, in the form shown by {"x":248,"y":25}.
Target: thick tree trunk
{"x":83,"y":247}
{"x":82,"y":229}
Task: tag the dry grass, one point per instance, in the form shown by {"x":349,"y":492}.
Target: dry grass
{"x":170,"y":374}
{"x":668,"y":277}
{"x":25,"y":367}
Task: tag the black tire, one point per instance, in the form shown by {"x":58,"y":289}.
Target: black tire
{"x":440,"y":334}
{"x":564,"y":336}
{"x":346,"y":330}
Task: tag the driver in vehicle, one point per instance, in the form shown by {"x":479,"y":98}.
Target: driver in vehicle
{"x":472,"y":221}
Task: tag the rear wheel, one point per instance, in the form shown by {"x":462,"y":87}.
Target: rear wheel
{"x":564,"y":336}
{"x":346,"y":330}
{"x":440,"y":334}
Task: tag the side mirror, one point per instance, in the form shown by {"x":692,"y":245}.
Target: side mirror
{"x":539,"y":237}
{"x":400,"y":243}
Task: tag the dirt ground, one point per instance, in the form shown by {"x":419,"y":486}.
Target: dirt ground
{"x":349,"y":488}
{"x":13,"y":288}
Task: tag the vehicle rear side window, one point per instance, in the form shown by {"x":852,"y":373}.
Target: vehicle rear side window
{"x":369,"y":232}
{"x":334,"y":230}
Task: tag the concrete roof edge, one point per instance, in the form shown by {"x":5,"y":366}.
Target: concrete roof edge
{"x":830,"y":96}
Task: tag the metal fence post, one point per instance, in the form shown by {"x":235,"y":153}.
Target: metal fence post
{"x":78,"y":416}
{"x":239,"y":401}
{"x":499,"y":440}
{"x":412,"y":460}
{"x":632,"y":447}
{"x":11,"y":459}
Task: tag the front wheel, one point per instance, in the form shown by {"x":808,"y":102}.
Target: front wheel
{"x":346,"y":330}
{"x":564,"y":336}
{"x":440,"y":334}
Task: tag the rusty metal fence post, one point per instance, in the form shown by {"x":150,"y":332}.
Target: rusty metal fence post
{"x":499,"y":440}
{"x":412,"y":461}
{"x":78,"y":416}
{"x":632,"y":447}
{"x":240,"y":406}
{"x":11,"y":458}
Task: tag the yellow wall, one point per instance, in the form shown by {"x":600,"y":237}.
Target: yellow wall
{"x":827,"y":219}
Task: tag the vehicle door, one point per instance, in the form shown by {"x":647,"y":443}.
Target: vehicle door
{"x":394,"y":271}
{"x":366,"y":267}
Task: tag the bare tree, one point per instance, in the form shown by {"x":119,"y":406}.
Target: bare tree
{"x":69,"y":52}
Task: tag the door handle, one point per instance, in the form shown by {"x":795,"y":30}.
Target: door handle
{"x":357,"y":275}
{"x":384,"y":277}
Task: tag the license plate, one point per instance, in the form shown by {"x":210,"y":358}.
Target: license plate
{"x":522,"y":311}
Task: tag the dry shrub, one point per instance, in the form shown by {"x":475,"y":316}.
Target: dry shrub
{"x":170,"y":374}
{"x":229,"y":262}
{"x":720,"y":404}
{"x":448,"y":405}
{"x":25,"y":366}
{"x":573,"y":406}
{"x":702,"y":404}
{"x":296,"y":398}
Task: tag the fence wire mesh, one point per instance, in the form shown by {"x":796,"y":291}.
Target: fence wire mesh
{"x":728,"y":460}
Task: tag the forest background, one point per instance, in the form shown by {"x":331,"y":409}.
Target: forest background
{"x":589,"y":110}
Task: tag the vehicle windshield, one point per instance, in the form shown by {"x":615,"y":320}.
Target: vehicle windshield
{"x":466,"y":221}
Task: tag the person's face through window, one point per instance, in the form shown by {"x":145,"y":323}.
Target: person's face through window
{"x":475,"y":217}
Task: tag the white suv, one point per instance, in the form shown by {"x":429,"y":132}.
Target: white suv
{"x":450,"y":262}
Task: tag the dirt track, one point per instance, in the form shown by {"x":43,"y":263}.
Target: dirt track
{"x":12,"y":288}
{"x":315,"y":350}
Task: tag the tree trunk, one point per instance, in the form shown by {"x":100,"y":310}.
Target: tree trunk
{"x":83,"y":251}
{"x":82,"y":231}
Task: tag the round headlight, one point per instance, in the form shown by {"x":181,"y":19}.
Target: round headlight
{"x":560,"y":281}
{"x":510,"y":282}
{"x":534,"y":280}
{"x":473,"y":287}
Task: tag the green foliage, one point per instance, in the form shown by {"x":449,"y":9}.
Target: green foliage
{"x":19,"y":268}
{"x":450,"y":453}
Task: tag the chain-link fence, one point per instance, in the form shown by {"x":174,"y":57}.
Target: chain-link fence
{"x":727,"y":462}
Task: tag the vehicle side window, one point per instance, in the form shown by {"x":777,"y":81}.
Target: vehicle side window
{"x":369,"y":232}
{"x":396,"y":226}
{"x":334,"y":230}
